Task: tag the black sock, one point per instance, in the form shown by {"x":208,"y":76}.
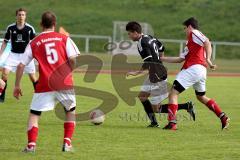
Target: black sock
{"x":164,"y":108}
{"x":148,"y":109}
{"x":183,"y":106}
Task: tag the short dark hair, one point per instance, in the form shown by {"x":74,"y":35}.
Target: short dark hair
{"x":191,"y":21}
{"x":20,"y":9}
{"x":134,"y":26}
{"x":48,"y":19}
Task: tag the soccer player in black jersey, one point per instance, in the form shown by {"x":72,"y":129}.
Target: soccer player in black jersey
{"x":19,"y":34}
{"x":155,"y":86}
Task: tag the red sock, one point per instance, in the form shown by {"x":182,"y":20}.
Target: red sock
{"x":172,"y":111}
{"x":1,"y":90}
{"x":213,"y":106}
{"x":32,"y":136}
{"x":4,"y":88}
{"x":68,"y":132}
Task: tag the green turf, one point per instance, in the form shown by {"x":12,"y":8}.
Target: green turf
{"x":124,"y":134}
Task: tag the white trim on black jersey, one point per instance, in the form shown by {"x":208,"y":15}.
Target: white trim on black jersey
{"x":10,"y":25}
{"x":150,"y":41}
{"x":30,"y":27}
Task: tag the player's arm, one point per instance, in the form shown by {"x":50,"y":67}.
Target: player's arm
{"x":161,"y":48}
{"x":178,"y":59}
{"x":208,"y":49}
{"x":25,"y":60}
{"x":72,"y":53}
{"x":172,"y":59}
{"x":17,"y":89}
{"x":3,"y":46}
{"x":162,"y":54}
{"x":72,"y":61}
{"x":32,"y":33}
{"x":135,"y":73}
{"x":6,"y":39}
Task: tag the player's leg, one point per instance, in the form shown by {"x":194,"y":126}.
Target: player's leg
{"x":68,"y":101}
{"x":10,"y":65}
{"x":182,"y":82}
{"x":214,"y":107}
{"x":185,"y":79}
{"x":173,"y":106}
{"x":183,"y":106}
{"x":69,"y":127}
{"x":32,"y":131}
{"x":189,"y":107}
{"x":40,"y":102}
{"x":200,"y":90}
{"x":143,"y":97}
{"x":2,"y":86}
{"x":5,"y":74}
{"x":160,"y":93}
{"x":156,"y":108}
{"x":146,"y":91}
{"x":163,"y":108}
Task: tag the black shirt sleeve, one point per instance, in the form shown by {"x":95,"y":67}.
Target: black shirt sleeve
{"x":32,"y":34}
{"x":7,"y":35}
{"x":161,"y":48}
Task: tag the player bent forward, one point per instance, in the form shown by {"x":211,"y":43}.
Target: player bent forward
{"x":155,"y":85}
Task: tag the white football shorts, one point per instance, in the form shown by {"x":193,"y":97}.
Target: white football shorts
{"x":158,"y":91}
{"x":193,"y":76}
{"x":46,"y":101}
{"x":14,"y":59}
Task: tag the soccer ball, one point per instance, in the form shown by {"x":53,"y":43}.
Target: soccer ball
{"x":97,"y":117}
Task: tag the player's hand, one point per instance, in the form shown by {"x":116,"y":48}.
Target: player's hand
{"x":17,"y":92}
{"x":213,"y":67}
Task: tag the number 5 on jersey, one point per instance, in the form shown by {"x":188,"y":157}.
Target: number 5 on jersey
{"x":52,"y":56}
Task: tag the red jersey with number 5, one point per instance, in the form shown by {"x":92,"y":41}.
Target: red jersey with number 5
{"x":52,"y":51}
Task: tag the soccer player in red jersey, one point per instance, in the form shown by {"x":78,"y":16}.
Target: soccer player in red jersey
{"x":52,"y":50}
{"x":197,"y":55}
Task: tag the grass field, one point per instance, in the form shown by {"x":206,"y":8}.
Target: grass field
{"x":124,"y":134}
